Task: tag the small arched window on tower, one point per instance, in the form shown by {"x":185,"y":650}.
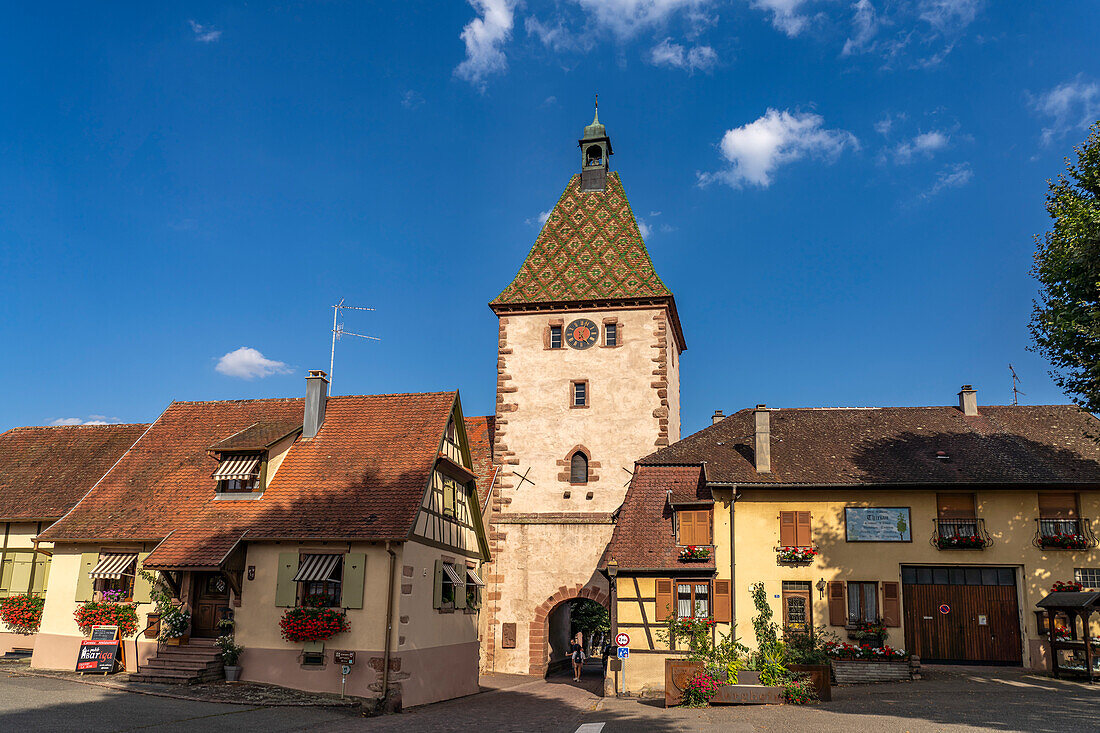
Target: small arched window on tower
{"x":593,"y":156}
{"x":578,"y":468}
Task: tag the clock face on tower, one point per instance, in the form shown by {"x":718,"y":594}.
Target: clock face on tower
{"x":581,"y":333}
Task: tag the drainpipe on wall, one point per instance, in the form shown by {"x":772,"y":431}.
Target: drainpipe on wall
{"x":733,"y":564}
{"x":389,"y":626}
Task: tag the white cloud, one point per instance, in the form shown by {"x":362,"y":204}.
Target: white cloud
{"x":785,"y":14}
{"x":557,"y":37}
{"x":625,"y":18}
{"x":667,"y":53}
{"x":926,"y":144}
{"x":550,"y":101}
{"x":1072,"y":105}
{"x":484,"y":36}
{"x":949,"y":15}
{"x":865,"y":25}
{"x":205,"y":33}
{"x":754,"y":151}
{"x":412,"y":99}
{"x":248,"y":363}
{"x":643,"y":227}
{"x":539,"y":220}
{"x":883,"y":126}
{"x":90,"y":420}
{"x":953,"y":176}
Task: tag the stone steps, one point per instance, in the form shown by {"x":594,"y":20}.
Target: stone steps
{"x":197,"y":661}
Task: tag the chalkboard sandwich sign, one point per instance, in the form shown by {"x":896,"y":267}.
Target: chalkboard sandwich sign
{"x":102,"y":652}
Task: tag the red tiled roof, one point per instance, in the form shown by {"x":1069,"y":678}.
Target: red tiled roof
{"x":644,"y":538}
{"x":362,"y":477}
{"x":45,"y":470}
{"x":480,"y":432}
{"x":1024,"y":445}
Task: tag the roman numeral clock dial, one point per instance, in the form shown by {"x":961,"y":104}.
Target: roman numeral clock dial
{"x":581,"y":334}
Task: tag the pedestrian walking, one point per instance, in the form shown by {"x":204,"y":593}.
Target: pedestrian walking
{"x":576,"y":655}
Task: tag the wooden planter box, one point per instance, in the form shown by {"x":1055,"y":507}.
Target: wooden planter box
{"x":678,"y":672}
{"x":821,"y":675}
{"x":860,"y":671}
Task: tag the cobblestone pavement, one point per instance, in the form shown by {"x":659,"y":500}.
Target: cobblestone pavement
{"x":950,"y":699}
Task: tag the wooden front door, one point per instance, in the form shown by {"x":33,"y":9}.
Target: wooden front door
{"x":211,"y":601}
{"x":962,"y":614}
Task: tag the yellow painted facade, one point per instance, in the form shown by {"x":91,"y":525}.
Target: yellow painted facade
{"x":1009,"y":517}
{"x":22,"y":570}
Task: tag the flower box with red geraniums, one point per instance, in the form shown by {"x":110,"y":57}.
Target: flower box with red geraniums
{"x":796,"y":554}
{"x":22,"y":614}
{"x":1068,"y":541}
{"x":107,"y":613}
{"x":1063,"y":586}
{"x":312,"y":624}
{"x":960,"y":542}
{"x":843,"y":650}
{"x":695,"y":553}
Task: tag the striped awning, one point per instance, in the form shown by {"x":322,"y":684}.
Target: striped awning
{"x":453,"y":575}
{"x":238,"y":467}
{"x":473,"y":576}
{"x":316,"y":568}
{"x":113,"y":566}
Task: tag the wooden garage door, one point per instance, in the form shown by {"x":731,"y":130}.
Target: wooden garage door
{"x":982,"y":619}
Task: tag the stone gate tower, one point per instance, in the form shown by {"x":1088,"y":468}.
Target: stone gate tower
{"x":587,"y":383}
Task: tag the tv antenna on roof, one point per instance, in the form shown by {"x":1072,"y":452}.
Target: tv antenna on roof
{"x":1015,"y":392}
{"x":339,"y":331}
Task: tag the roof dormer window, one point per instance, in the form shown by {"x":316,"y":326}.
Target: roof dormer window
{"x":238,"y":473}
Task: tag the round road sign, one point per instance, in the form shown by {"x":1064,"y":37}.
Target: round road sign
{"x":622,"y":639}
{"x":945,"y":609}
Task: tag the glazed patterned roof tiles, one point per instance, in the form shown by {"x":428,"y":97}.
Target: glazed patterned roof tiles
{"x":45,"y":470}
{"x":589,"y":249}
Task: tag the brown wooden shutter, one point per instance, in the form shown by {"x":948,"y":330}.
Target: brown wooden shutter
{"x":664,"y":599}
{"x":955,"y":506}
{"x":1058,"y":504}
{"x":891,"y":605}
{"x":689,"y":529}
{"x":723,"y":602}
{"x":788,"y":529}
{"x":704,"y":526}
{"x":802,"y":529}
{"x":838,"y":609}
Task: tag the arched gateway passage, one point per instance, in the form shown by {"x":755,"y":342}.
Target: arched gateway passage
{"x":550,"y":629}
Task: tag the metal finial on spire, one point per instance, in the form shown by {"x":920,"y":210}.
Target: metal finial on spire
{"x":596,"y":117}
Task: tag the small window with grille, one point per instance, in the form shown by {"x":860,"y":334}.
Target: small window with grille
{"x":1088,"y":577}
{"x":580,"y":394}
{"x":555,"y":337}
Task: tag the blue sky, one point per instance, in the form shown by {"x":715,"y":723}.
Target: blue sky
{"x":842,"y":195}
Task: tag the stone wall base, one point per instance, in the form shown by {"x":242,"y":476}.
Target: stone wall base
{"x":859,"y":671}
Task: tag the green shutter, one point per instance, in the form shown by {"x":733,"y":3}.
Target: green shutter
{"x":355,"y":573}
{"x":437,"y":591}
{"x":143,"y":589}
{"x":84,"y":584}
{"x":460,"y":590}
{"x":21,"y":573}
{"x":286,"y":590}
{"x":5,"y":574}
{"x":41,"y":574}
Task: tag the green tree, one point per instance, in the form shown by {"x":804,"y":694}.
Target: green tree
{"x":589,"y":617}
{"x":1065,"y":324}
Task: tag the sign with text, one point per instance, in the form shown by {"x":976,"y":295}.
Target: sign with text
{"x":877,"y":524}
{"x":343,"y":657}
{"x":104,"y":633}
{"x":622,"y":639}
{"x":97,"y":656}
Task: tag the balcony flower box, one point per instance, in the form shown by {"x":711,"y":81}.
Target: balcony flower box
{"x":865,"y":663}
{"x":312,"y":624}
{"x":960,"y":542}
{"x":1060,"y":541}
{"x":795,"y":555}
{"x":1062,"y":586}
{"x":695,"y":553}
{"x":107,"y":613}
{"x":22,"y":614}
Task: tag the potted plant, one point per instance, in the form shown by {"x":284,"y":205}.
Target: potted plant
{"x":1065,"y":541}
{"x":175,"y":625}
{"x":795,"y":554}
{"x":231,"y":653}
{"x":960,"y":542}
{"x":1062,"y":586}
{"x":22,"y":614}
{"x":110,"y":610}
{"x":694,"y":553}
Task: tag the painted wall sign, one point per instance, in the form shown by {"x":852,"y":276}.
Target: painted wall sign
{"x":877,"y":524}
{"x":945,"y":609}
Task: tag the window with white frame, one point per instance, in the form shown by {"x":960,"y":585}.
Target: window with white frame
{"x":1088,"y":577}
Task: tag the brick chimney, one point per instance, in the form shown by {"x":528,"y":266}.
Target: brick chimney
{"x":763,"y":442}
{"x":968,"y":400}
{"x":316,"y":400}
{"x":717,"y":417}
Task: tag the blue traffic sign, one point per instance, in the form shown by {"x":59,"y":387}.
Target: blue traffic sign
{"x":623,"y":652}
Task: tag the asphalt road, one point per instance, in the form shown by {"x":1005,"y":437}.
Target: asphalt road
{"x":949,"y":699}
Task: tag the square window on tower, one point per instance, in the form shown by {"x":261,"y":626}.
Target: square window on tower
{"x":555,"y":337}
{"x":611,"y":334}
